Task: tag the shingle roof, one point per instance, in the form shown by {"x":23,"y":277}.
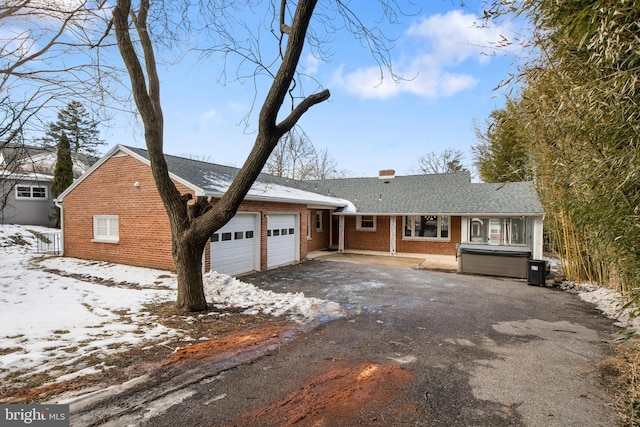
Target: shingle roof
{"x":449,"y":193}
{"x":39,"y":160}
{"x":446,"y":193}
{"x":214,"y":180}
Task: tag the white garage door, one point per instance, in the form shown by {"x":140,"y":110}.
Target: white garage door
{"x":282,"y":239}
{"x":235,"y":247}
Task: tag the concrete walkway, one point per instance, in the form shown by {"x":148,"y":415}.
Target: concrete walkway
{"x":416,"y":262}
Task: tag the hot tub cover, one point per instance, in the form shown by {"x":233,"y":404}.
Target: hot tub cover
{"x":501,"y":250}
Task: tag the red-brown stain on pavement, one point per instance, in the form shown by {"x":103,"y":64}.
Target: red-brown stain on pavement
{"x":232,"y":342}
{"x":345,"y":394}
{"x":30,"y":394}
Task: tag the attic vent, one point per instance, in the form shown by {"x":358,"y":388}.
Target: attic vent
{"x":387,"y":174}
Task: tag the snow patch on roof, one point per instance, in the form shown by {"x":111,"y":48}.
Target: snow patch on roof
{"x":219,"y":184}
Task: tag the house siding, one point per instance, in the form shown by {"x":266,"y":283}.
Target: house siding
{"x":144,"y":233}
{"x":26,"y":211}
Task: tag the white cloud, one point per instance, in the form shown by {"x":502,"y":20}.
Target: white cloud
{"x":456,"y":36}
{"x":16,"y":44}
{"x":30,"y":26}
{"x":450,"y":84}
{"x":311,"y":64}
{"x":238,"y":107}
{"x":205,"y":119}
{"x":440,"y":45}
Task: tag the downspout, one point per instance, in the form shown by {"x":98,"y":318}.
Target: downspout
{"x":59,"y":206}
{"x":341,"y":234}
{"x":392,"y":235}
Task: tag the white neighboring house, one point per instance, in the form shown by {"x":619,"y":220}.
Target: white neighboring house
{"x":26,"y":175}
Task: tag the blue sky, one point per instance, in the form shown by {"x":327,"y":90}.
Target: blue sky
{"x":367,"y":124}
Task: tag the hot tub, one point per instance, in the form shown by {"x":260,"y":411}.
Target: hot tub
{"x":493,"y":260}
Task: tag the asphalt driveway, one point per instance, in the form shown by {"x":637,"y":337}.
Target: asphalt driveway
{"x":454,"y":350}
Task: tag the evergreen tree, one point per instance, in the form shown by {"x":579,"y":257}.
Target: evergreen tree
{"x":63,"y":172}
{"x":80,"y":129}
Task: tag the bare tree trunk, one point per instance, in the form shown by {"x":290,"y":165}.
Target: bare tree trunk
{"x":193,"y":222}
{"x":187,"y":255}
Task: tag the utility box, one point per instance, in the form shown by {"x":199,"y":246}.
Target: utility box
{"x":537,"y":272}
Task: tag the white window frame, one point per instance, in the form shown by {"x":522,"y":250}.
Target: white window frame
{"x":437,"y":238}
{"x":359,"y":226}
{"x":318,"y":220}
{"x":112,"y":234}
{"x":22,"y":188}
{"x":499,"y":230}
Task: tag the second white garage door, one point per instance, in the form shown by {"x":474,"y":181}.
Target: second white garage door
{"x":235,"y":247}
{"x":282,"y":239}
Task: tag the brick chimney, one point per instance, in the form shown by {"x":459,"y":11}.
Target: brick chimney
{"x":387,"y":174}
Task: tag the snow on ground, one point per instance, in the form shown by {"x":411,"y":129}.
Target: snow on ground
{"x":55,"y":312}
{"x":227,"y":291}
{"x":613,"y":305}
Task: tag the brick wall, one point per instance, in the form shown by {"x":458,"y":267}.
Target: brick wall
{"x":145,"y":238}
{"x":379,"y":240}
{"x":319,"y":239}
{"x":366,"y":240}
{"x":431,"y":247}
{"x":144,"y":234}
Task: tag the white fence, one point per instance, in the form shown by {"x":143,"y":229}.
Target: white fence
{"x":50,"y":243}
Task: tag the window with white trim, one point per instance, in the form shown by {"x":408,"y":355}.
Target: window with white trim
{"x":498,"y":231}
{"x":106,"y":228}
{"x":318,"y":220}
{"x":366,"y":223}
{"x":427,"y":227}
{"x":38,"y":192}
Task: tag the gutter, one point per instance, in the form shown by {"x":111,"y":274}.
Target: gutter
{"x":463,"y":214}
{"x":58,"y":204}
{"x":338,"y":203}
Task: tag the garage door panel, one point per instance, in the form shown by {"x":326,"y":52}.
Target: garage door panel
{"x":282,"y":237}
{"x":234,"y":246}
